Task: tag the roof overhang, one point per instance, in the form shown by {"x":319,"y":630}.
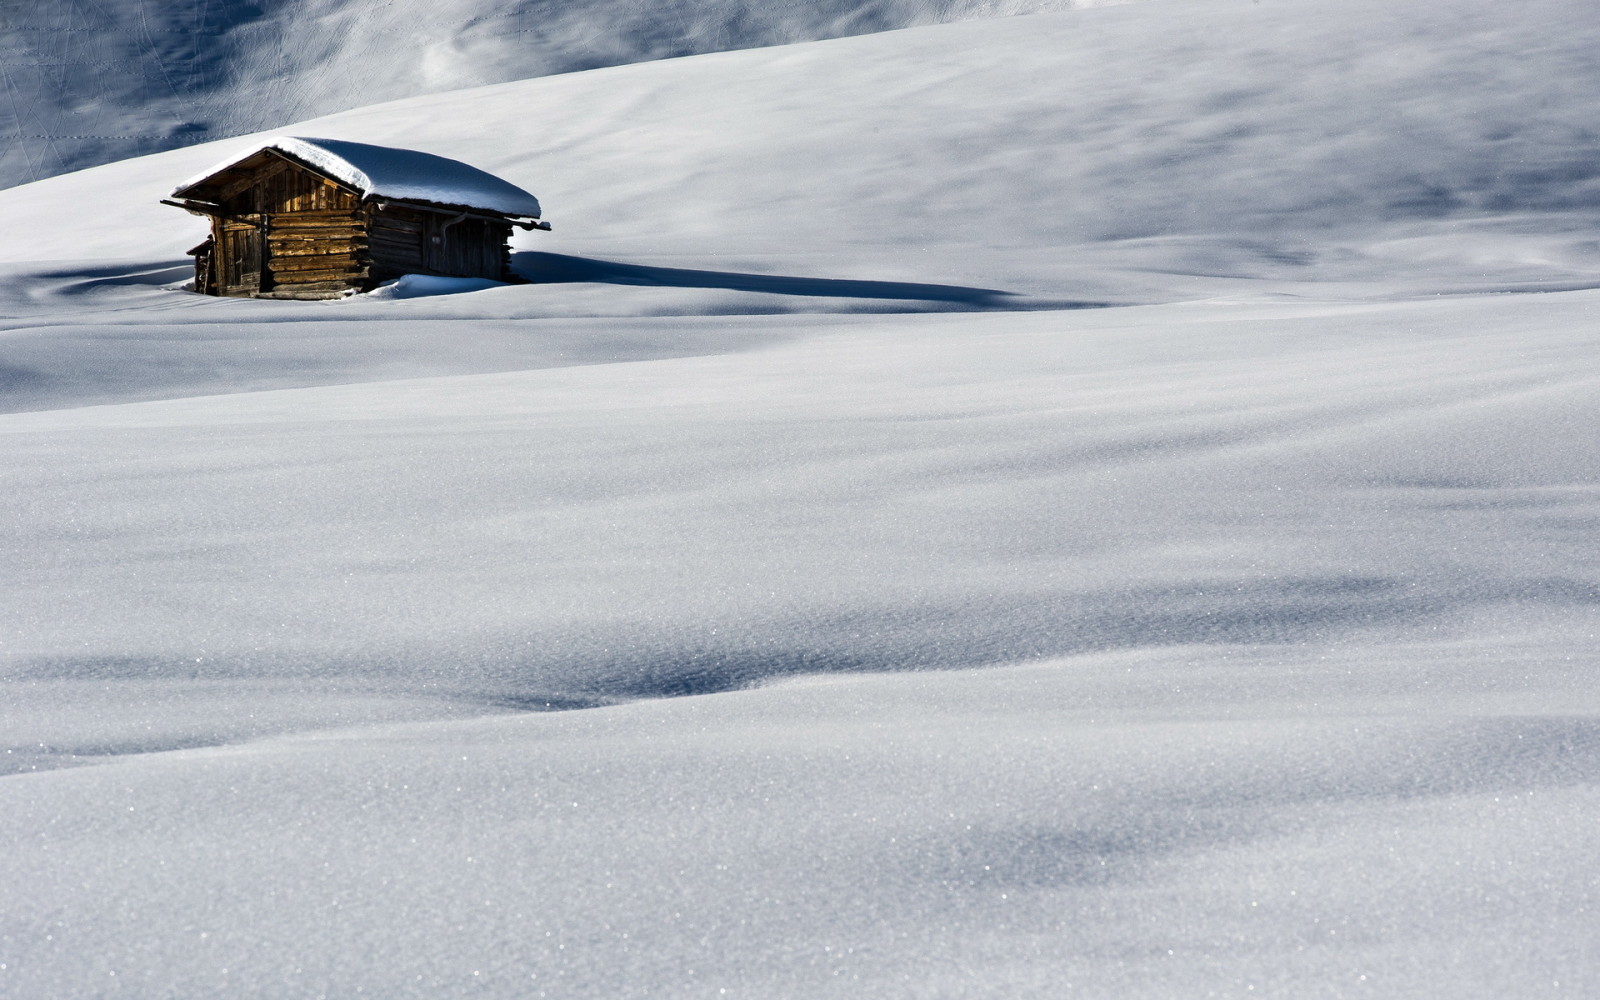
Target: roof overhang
{"x":461,"y":211}
{"x":373,"y":174}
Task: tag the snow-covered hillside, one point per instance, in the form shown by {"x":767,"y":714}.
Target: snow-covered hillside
{"x":1443,"y":148}
{"x":89,"y":81}
{"x":1097,"y":503}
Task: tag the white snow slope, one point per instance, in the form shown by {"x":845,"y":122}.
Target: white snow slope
{"x":88,"y":81}
{"x":1098,"y":503}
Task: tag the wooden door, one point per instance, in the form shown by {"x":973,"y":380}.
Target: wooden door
{"x":242,"y":258}
{"x":435,"y":246}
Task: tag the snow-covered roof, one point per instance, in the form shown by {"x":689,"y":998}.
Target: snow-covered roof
{"x":386,"y":172}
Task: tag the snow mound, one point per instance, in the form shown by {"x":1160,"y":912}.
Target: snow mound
{"x":416,"y":286}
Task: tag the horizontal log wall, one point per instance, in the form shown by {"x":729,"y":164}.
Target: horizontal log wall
{"x":317,"y":246}
{"x":406,"y":241}
{"x":395,"y":241}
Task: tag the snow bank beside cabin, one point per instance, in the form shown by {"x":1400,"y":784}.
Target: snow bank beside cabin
{"x":416,"y":286}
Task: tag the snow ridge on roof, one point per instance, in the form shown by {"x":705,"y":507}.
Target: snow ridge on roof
{"x":401,"y":174}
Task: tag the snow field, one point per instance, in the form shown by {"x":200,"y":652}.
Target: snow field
{"x":1325,"y":712}
{"x":935,"y":633}
{"x":1129,"y":153}
{"x":1094,"y":822}
{"x":700,"y":522}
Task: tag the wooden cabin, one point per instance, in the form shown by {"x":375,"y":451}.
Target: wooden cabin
{"x":321,"y":218}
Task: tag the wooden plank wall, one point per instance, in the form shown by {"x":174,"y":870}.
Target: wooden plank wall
{"x":281,"y":186}
{"x":317,"y":250}
{"x":238,"y":254}
{"x":316,"y":236}
{"x":410,"y":241}
{"x":396,"y":237}
{"x":474,"y":248}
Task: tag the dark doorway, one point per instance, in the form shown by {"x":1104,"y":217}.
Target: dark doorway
{"x":242,"y":257}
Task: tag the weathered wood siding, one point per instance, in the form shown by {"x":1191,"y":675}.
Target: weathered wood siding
{"x":317,"y":250}
{"x":395,"y":237}
{"x":413,"y":241}
{"x":240,"y":251}
{"x":281,"y":185}
{"x":285,"y":229}
{"x":205,"y":266}
{"x":473,"y":248}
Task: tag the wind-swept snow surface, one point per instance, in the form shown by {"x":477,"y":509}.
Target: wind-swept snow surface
{"x":924,"y":533}
{"x":88,"y":81}
{"x":1438,"y":148}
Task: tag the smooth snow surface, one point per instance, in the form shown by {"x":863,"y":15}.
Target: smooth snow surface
{"x":401,"y":174}
{"x":1097,"y":504}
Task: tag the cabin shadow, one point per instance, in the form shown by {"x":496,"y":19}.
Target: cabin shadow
{"x":555,"y":268}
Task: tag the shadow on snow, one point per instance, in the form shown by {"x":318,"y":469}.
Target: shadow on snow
{"x":552,"y":268}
